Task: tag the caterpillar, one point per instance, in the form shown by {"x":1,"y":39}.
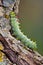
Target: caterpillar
{"x":17,"y":32}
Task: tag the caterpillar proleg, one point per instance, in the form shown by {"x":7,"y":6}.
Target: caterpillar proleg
{"x":17,"y":32}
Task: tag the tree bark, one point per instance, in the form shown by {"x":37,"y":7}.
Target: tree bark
{"x":14,"y":50}
{"x":20,"y":55}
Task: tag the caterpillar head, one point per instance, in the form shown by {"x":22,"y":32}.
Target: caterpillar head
{"x":12,"y":14}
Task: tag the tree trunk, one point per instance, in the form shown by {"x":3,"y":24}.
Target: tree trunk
{"x":14,"y":50}
{"x":18,"y":54}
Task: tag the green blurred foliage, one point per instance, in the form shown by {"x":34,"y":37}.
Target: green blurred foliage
{"x":31,"y":19}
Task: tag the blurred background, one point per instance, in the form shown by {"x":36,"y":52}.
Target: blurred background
{"x":31,"y":19}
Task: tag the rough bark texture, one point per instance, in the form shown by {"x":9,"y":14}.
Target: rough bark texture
{"x":20,"y":55}
{"x":14,"y":50}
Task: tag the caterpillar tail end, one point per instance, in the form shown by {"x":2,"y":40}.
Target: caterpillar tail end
{"x":33,"y":46}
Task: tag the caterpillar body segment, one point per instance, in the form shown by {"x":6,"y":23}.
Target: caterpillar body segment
{"x":17,"y":32}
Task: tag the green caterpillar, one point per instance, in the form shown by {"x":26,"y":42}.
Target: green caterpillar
{"x":17,"y":32}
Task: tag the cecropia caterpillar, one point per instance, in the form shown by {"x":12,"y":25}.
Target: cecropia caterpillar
{"x":17,"y":32}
